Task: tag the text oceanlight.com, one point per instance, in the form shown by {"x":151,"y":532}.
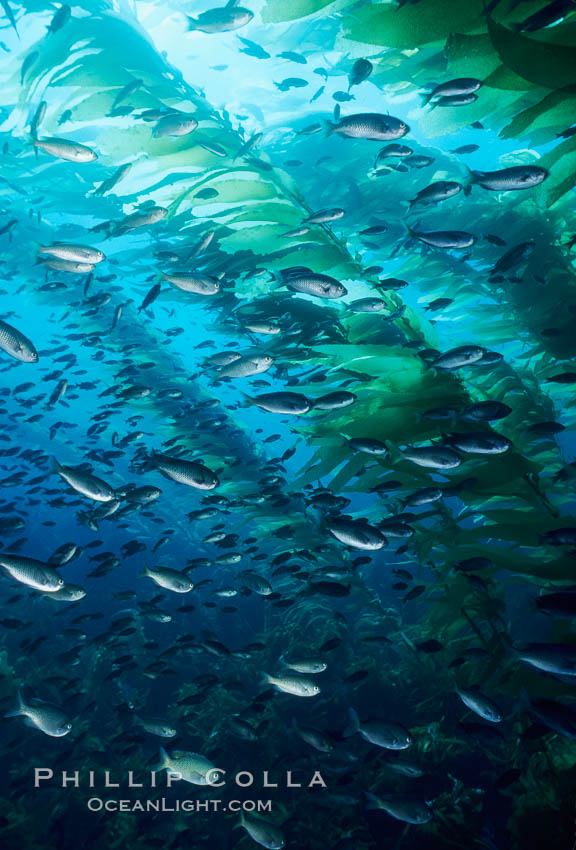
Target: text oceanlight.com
{"x":97,"y":804}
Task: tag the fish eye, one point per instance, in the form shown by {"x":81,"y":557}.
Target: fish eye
{"x":60,"y":581}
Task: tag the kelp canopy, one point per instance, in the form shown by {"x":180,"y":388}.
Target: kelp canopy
{"x":413,"y":527}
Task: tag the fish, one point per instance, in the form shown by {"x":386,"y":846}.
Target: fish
{"x":311,"y":283}
{"x":360,"y":71}
{"x":372,"y":126}
{"x":246,"y":366}
{"x":198,"y":284}
{"x":485,"y":411}
{"x":460,"y":87}
{"x":368,"y":445}
{"x":480,"y":443}
{"x":324,"y":216}
{"x":298,"y":686}
{"x":402,"y":808}
{"x":435,"y":192}
{"x":263,"y":832}
{"x":356,"y":533}
{"x":150,"y":297}
{"x":69,"y":592}
{"x":109,"y":184}
{"x":60,"y":19}
{"x":174,"y":124}
{"x":83,"y":254}
{"x":225,"y":19}
{"x":189,"y":472}
{"x":515,"y":178}
{"x":561,"y":718}
{"x":291,"y":83}
{"x":154,"y":726}
{"x":559,"y":604}
{"x":169,"y":579}
{"x":85,"y":483}
{"x":556,"y":658}
{"x":481,"y":705}
{"x":433,"y":457}
{"x":291,"y":403}
{"x":444,"y":238}
{"x":456,"y":358}
{"x":48,"y":718}
{"x":253,"y":49}
{"x":16,"y":344}
{"x":66,"y":149}
{"x":390,"y":736}
{"x":31,"y":572}
{"x":189,"y":767}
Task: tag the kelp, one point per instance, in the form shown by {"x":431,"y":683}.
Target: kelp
{"x":507,"y":511}
{"x":237,"y":183}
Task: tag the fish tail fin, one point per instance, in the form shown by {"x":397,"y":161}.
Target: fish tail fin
{"x":329,"y":127}
{"x":247,"y":402}
{"x":191,"y":23}
{"x":394,"y":452}
{"x":425,"y":99}
{"x":471,"y":179}
{"x":54,"y":465}
{"x":164,"y":761}
{"x":353,"y":724}
{"x":20,"y":708}
{"x":372,"y":801}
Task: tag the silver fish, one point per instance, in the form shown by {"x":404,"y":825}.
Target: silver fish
{"x":225,"y":19}
{"x":174,"y":124}
{"x":199,"y":284}
{"x":402,"y":808}
{"x":390,"y":736}
{"x":86,"y":483}
{"x":18,"y":346}
{"x":480,"y":704}
{"x":188,"y":472}
{"x":508,"y":179}
{"x":295,"y":404}
{"x":42,"y":715}
{"x":65,"y":149}
{"x":32,"y":572}
{"x":456,"y":358}
{"x":297,"y":686}
{"x":433,"y":457}
{"x":191,"y":767}
{"x":263,"y":832}
{"x":356,"y":533}
{"x":169,"y":579}
{"x":370,"y":125}
{"x":245,"y":366}
{"x":73,"y":253}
